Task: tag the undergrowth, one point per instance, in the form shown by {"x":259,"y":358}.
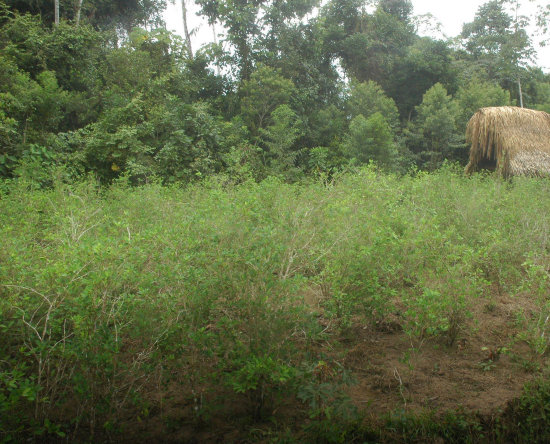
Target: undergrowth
{"x":112,"y":300}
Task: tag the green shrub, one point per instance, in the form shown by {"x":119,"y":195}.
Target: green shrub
{"x":107,"y":295}
{"x":526,"y":419}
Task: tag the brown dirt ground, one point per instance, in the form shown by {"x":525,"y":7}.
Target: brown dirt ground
{"x":485,"y":369}
{"x":482,"y":371}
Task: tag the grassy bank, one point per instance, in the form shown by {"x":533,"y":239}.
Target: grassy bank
{"x":275,"y":312}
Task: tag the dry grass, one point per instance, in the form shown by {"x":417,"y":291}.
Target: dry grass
{"x":517,"y":139}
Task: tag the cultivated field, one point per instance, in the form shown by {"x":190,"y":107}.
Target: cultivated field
{"x":367,"y":308}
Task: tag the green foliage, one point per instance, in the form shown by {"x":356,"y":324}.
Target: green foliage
{"x":369,"y":98}
{"x":478,"y":94}
{"x":536,"y":326}
{"x":402,"y":9}
{"x":487,"y":33}
{"x":371,"y":139}
{"x":223,"y":283}
{"x":432,"y":313}
{"x":262,"y":379}
{"x":433,"y":134}
{"x":498,"y":40}
{"x":327,"y":127}
{"x":72,"y":53}
{"x":371,"y":50}
{"x":109,"y":97}
{"x":92,"y":321}
{"x":16,"y":391}
{"x":319,"y":159}
{"x":8,"y":135}
{"x":526,"y":419}
{"x":331,"y":412}
{"x":425,"y":63}
{"x":255,"y":28}
{"x":113,"y":14}
{"x":262,"y":94}
{"x":30,"y":111}
{"x":280,"y":139}
{"x":453,"y":427}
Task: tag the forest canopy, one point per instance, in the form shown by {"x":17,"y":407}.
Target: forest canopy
{"x":293,"y":88}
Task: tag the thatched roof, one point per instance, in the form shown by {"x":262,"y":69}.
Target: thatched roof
{"x":517,"y":139}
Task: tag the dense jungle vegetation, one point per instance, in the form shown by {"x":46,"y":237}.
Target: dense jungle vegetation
{"x":287,"y":93}
{"x":268,"y":239}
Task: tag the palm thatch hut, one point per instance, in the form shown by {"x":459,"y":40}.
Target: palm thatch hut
{"x":510,"y":140}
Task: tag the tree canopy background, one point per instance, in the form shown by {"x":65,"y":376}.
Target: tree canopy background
{"x":295,"y":88}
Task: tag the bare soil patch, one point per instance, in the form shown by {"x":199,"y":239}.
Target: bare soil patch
{"x":481,"y":373}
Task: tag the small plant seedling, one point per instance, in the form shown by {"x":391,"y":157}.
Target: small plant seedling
{"x":487,"y":366}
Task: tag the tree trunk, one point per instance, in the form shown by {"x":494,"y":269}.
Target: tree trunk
{"x":185,"y":29}
{"x":215,"y":35}
{"x":78,"y":12}
{"x":56,"y":12}
{"x":520,"y":93}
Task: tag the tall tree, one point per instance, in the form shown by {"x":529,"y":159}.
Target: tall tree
{"x":478,"y":94}
{"x":425,"y":63}
{"x":369,"y":98}
{"x":279,"y":139}
{"x":519,"y":49}
{"x":368,"y":44}
{"x":401,"y":9}
{"x":370,"y":139}
{"x":433,"y":134}
{"x":78,"y":12}
{"x":499,"y":42}
{"x":186,"y":29}
{"x":262,"y":94}
{"x":246,"y":21}
{"x":122,"y":15}
{"x":543,"y":22}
